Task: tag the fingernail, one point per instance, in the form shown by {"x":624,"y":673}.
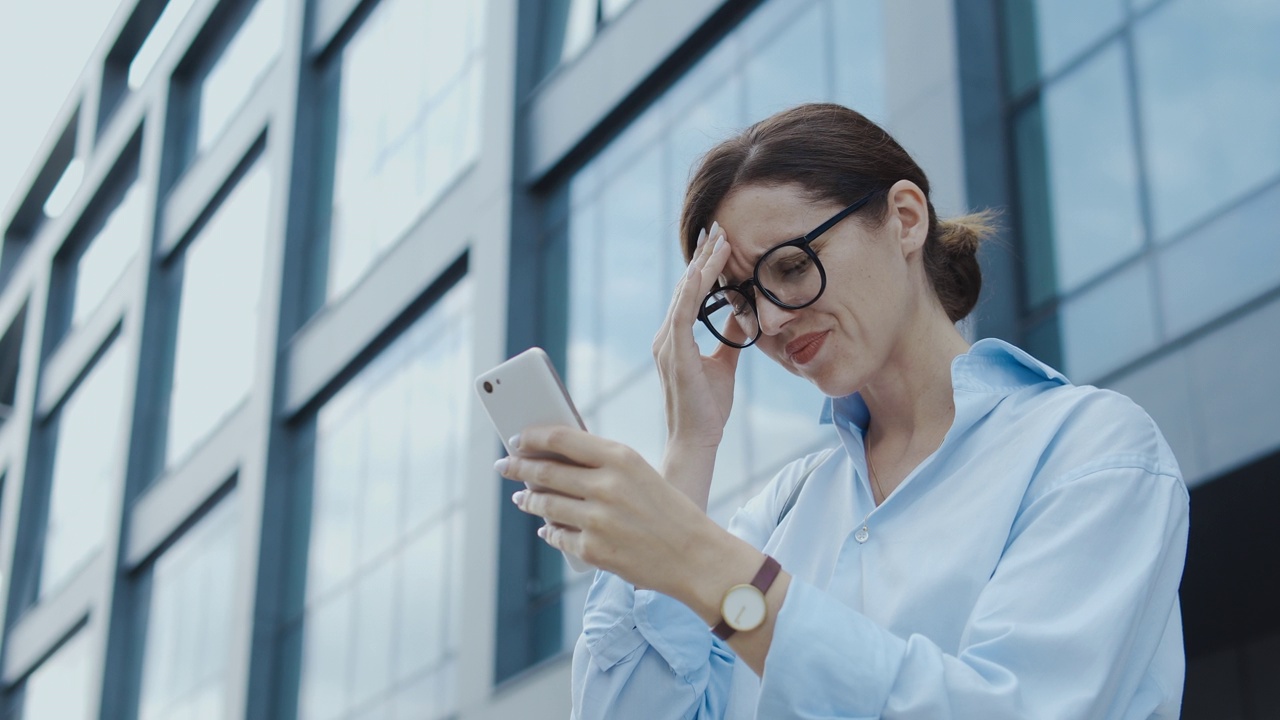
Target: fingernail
{"x":542,"y":532}
{"x":693,"y":269}
{"x":517,"y":497}
{"x":719,"y":244}
{"x":715,"y":228}
{"x":702,"y":238}
{"x":514,"y":442}
{"x":501,"y":466}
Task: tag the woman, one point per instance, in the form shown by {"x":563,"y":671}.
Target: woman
{"x":989,"y":541}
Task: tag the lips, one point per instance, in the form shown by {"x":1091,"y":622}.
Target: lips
{"x":804,"y":348}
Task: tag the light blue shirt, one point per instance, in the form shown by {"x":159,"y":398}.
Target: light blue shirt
{"x":1029,"y":568}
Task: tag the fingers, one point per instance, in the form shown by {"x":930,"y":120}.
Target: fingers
{"x":575,"y":445}
{"x":560,"y":510}
{"x":563,"y":538}
{"x":676,"y":334}
{"x":699,"y":278}
{"x":664,"y":330}
{"x":546,"y":474}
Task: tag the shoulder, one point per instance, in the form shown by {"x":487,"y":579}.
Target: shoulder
{"x":1085,"y":430}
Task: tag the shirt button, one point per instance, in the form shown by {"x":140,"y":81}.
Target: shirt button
{"x":862,"y":535}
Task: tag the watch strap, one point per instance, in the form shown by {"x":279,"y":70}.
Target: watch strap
{"x":762,"y":581}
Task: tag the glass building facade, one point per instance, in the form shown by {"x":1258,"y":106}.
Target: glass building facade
{"x":242,"y":474}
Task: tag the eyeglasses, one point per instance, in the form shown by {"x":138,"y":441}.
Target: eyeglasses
{"x":789,"y":275}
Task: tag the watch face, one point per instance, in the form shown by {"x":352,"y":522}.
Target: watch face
{"x":743,"y":608}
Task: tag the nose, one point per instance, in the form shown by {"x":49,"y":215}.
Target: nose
{"x":772,"y":317}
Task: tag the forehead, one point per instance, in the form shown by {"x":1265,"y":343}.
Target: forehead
{"x":756,"y":218}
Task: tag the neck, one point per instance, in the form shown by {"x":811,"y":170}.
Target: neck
{"x":911,"y":400}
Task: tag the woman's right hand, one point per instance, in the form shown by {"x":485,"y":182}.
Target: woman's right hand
{"x":698,"y":388}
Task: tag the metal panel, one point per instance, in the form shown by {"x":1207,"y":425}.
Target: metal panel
{"x":68,"y":363}
{"x":333,"y":339}
{"x":43,"y":626}
{"x":210,"y":175}
{"x":163,"y":509}
{"x":577,"y":98}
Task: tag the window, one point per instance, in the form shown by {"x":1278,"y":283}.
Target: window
{"x":1223,"y":264}
{"x":1147,"y":159}
{"x":87,"y":465}
{"x":191,"y":624}
{"x":1045,"y":35}
{"x":1078,"y":142}
{"x":1207,"y":78}
{"x":619,"y":246}
{"x":245,"y":60}
{"x":218,"y":314}
{"x":379,"y":625}
{"x":568,"y":26}
{"x":408,"y":104}
{"x":59,"y":688}
{"x":106,"y":255}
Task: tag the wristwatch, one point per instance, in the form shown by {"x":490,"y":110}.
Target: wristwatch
{"x":743,"y":607}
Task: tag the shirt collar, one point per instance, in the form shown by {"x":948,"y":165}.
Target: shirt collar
{"x":991,"y":366}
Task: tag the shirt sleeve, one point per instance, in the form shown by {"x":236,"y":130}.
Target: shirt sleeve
{"x":645,"y":655}
{"x":1067,"y":627}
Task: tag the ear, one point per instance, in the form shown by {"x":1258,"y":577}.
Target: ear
{"x":909,"y":207}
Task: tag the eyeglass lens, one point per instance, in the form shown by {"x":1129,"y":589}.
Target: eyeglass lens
{"x":788,"y":274}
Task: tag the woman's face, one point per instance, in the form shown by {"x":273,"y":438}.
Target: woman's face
{"x":839,"y":342}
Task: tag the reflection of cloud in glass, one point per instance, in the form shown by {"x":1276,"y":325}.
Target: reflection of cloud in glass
{"x":1207,"y":79}
{"x":59,"y":688}
{"x":386,"y":524}
{"x":191,"y":617}
{"x":109,"y":252}
{"x":85,"y":469}
{"x":1222,"y":264}
{"x":401,"y":142}
{"x":1110,"y":325}
{"x":1092,"y":173}
{"x":791,"y":69}
{"x":218,"y":314}
{"x":326,"y":648}
{"x":242,"y":64}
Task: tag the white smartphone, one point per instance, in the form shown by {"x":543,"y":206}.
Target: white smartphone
{"x":523,"y":392}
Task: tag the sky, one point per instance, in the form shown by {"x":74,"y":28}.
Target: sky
{"x":44,"y":45}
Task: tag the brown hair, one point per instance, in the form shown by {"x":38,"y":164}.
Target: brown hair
{"x":836,"y":154}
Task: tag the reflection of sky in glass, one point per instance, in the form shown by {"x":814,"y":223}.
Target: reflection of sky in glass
{"x":1048,"y":33}
{"x":1220,"y":266}
{"x":1109,"y":325}
{"x":109,"y":253}
{"x":85,"y":468}
{"x":632,"y":299}
{"x":59,"y":688}
{"x":859,"y":64}
{"x":1209,"y":84}
{"x":408,"y":124}
{"x":792,"y":68}
{"x":191,"y":621}
{"x":1091,"y":171}
{"x":246,"y":59}
{"x":218,"y":314}
{"x":386,"y":526}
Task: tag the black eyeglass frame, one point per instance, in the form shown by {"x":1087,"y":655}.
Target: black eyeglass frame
{"x":744,"y":288}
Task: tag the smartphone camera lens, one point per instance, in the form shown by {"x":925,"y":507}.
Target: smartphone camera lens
{"x":488,"y":386}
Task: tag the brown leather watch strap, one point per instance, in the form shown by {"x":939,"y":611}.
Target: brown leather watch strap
{"x":762,"y":581}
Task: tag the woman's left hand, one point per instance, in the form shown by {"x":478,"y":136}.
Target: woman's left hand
{"x":610,"y":508}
